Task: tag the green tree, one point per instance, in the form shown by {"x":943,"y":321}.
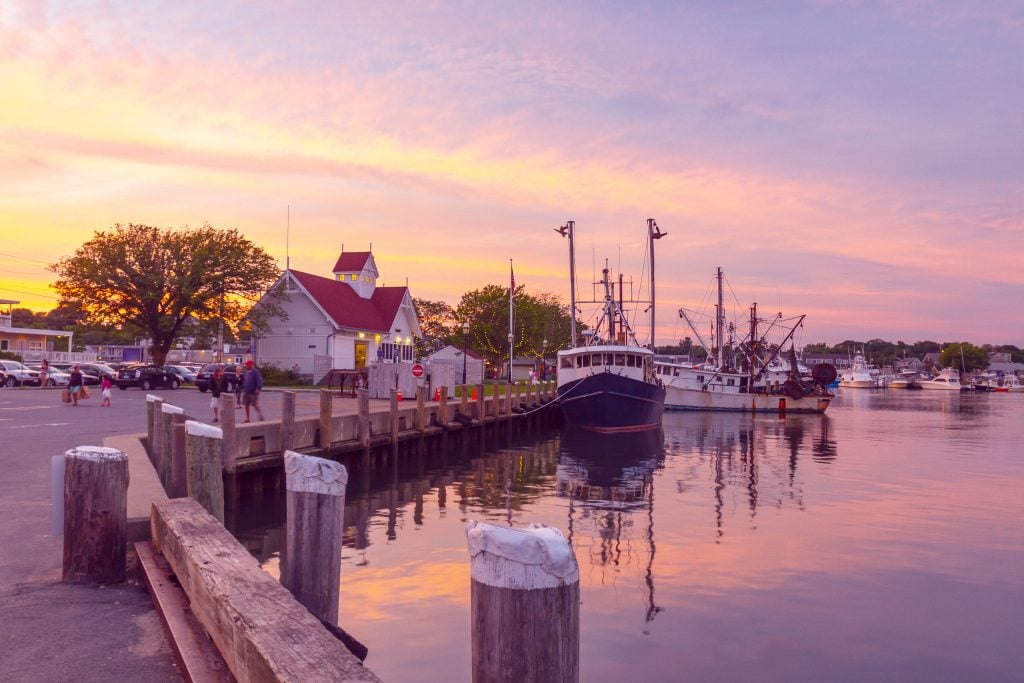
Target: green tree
{"x":963,"y":355}
{"x":437,"y":324}
{"x":152,"y":280}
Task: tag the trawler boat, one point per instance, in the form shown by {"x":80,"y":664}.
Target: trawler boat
{"x":607,"y":383}
{"x":947,"y":380}
{"x":858,"y":376}
{"x":751,"y":383}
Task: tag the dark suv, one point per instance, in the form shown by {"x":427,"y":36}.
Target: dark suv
{"x":206,"y":372}
{"x":146,"y":377}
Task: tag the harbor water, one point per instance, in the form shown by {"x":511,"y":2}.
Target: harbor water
{"x":883,"y":541}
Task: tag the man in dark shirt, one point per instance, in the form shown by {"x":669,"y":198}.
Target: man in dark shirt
{"x":252,"y":384}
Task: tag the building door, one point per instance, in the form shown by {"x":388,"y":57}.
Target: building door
{"x":360,"y":355}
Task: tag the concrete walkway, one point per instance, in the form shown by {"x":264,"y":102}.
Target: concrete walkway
{"x":50,"y":631}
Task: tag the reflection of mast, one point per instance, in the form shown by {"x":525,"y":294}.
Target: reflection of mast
{"x":652,"y":609}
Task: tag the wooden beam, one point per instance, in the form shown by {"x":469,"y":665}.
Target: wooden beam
{"x":258,"y":627}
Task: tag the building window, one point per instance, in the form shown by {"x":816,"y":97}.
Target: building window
{"x":4,"y":345}
{"x":35,"y":346}
{"x":352,"y":277}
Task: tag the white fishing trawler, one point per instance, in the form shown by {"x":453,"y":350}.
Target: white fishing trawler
{"x":748,"y":377}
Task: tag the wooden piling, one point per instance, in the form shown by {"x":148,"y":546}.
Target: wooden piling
{"x":229,"y":440}
{"x":153,"y":403}
{"x":508,"y":399}
{"x":314,"y":528}
{"x":519,"y":395}
{"x":363,"y":399}
{"x":464,"y":396}
{"x":167,"y":431}
{"x":479,"y":413}
{"x":95,"y":515}
{"x":524,"y":604}
{"x":157,"y":437}
{"x":421,"y":420}
{"x":442,"y":406}
{"x":394,"y":417}
{"x":204,"y":470}
{"x":287,"y":420}
{"x":325,"y":419}
{"x":177,"y":485}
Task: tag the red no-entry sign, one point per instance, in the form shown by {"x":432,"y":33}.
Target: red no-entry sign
{"x":417,"y":370}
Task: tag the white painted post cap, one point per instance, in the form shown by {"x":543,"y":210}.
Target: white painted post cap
{"x":525,"y":558}
{"x":168,"y":408}
{"x":200,"y":429}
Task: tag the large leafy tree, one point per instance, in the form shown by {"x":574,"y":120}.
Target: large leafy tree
{"x":437,"y":325}
{"x":538,"y":319}
{"x":963,"y":355}
{"x":153,"y":280}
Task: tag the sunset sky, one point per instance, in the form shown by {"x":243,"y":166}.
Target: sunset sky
{"x":861,"y":162}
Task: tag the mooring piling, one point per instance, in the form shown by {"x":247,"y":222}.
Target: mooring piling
{"x":204,"y":479}
{"x":95,"y":515}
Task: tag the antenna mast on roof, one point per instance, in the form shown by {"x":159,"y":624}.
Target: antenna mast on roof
{"x":287,"y":241}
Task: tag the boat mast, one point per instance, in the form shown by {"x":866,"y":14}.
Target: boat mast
{"x":568,"y":230}
{"x":609,"y":302}
{"x":653,"y":233}
{"x":753,"y":347}
{"x":720,"y":323}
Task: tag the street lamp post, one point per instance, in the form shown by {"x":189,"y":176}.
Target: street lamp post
{"x":465,"y":337}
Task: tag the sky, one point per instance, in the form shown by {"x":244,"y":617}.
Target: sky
{"x":860,"y":162}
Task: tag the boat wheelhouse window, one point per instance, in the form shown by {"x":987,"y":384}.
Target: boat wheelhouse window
{"x":596,"y":359}
{"x":700,"y":378}
{"x":584,"y":362}
{"x":631,"y":360}
{"x":675,"y":371}
{"x":731,"y":382}
{"x":566,"y":363}
{"x":620,"y":359}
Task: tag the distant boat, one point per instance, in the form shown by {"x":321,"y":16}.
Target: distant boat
{"x":761,"y":385}
{"x":859,"y":375}
{"x":1013,"y":384}
{"x":947,"y":380}
{"x":908,"y":379}
{"x":607,"y":384}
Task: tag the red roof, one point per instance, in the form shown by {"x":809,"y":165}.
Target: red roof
{"x":347,"y":309}
{"x":351,"y":261}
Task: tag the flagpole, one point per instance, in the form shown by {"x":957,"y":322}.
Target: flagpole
{"x":511,"y":334}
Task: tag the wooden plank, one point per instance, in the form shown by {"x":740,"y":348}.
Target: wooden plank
{"x":197,"y":657}
{"x":261,"y":631}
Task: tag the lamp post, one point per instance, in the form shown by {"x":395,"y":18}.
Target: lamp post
{"x":465,"y":337}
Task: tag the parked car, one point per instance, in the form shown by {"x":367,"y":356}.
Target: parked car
{"x":55,"y":377}
{"x":204,"y":375}
{"x":87,"y":379}
{"x":147,"y":377}
{"x":187,"y":375}
{"x":14,"y":374}
{"x":98,"y":370}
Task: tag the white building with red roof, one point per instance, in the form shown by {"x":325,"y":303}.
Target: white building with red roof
{"x":344,"y":323}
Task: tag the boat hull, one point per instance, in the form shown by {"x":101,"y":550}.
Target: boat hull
{"x":608,"y":403}
{"x":692,"y":399}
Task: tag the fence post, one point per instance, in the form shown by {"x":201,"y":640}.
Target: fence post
{"x":325,"y":419}
{"x":95,"y":515}
{"x":311,"y":569}
{"x":525,"y":604}
{"x":204,"y":470}
{"x":287,"y":420}
{"x":229,"y":442}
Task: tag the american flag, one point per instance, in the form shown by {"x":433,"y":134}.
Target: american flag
{"x":512,"y":288}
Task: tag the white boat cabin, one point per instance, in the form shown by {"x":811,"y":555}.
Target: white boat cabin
{"x":629,"y":361}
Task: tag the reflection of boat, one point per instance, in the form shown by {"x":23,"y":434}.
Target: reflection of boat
{"x":947,"y":380}
{"x":859,"y":375}
{"x":908,"y":379}
{"x":609,"y":482}
{"x":607,"y":383}
{"x":745,"y":379}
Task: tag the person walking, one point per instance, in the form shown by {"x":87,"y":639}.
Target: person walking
{"x":105,"y":385}
{"x":217,"y":386}
{"x":252,"y":384}
{"x":75,"y":384}
{"x":239,"y":375}
{"x":44,"y":372}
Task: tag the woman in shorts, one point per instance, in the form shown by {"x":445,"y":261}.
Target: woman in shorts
{"x":216,"y":387}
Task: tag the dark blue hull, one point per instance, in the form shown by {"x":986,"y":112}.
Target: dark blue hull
{"x":606,"y":402}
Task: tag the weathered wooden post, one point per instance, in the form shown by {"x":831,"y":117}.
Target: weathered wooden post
{"x":479,"y":412}
{"x":363,"y":400}
{"x":442,"y":406}
{"x":95,"y":515}
{"x":394,"y":418}
{"x":153,"y":403}
{"x":204,"y":468}
{"x":177,"y":486}
{"x":421,"y":406}
{"x":287,"y":420}
{"x":167,"y":431}
{"x":525,"y":604}
{"x":499,"y":389}
{"x":326,"y":403}
{"x":315,"y":522}
{"x":464,"y":395}
{"x":156,"y":438}
{"x":519,"y":394}
{"x":508,"y":399}
{"x":229,"y":442}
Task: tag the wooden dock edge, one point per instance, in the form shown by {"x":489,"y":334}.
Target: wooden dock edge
{"x":261,"y":631}
{"x":198,"y":658}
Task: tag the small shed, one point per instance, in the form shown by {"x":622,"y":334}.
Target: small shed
{"x":453,"y":360}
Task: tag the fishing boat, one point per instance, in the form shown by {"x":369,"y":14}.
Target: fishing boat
{"x":947,"y":380}
{"x":606,"y":380}
{"x":746,"y":378}
{"x":859,"y":375}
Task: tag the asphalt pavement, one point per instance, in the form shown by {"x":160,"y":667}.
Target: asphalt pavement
{"x":54,"y":632}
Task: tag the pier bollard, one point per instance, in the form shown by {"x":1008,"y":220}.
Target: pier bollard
{"x":311,"y":566}
{"x":363,"y":400}
{"x":153,"y":403}
{"x":204,"y":469}
{"x":168,"y":412}
{"x":525,"y":604}
{"x":156,"y":438}
{"x":287,"y":420}
{"x":229,"y":440}
{"x":177,"y":487}
{"x":95,"y":515}
{"x":326,"y":436}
